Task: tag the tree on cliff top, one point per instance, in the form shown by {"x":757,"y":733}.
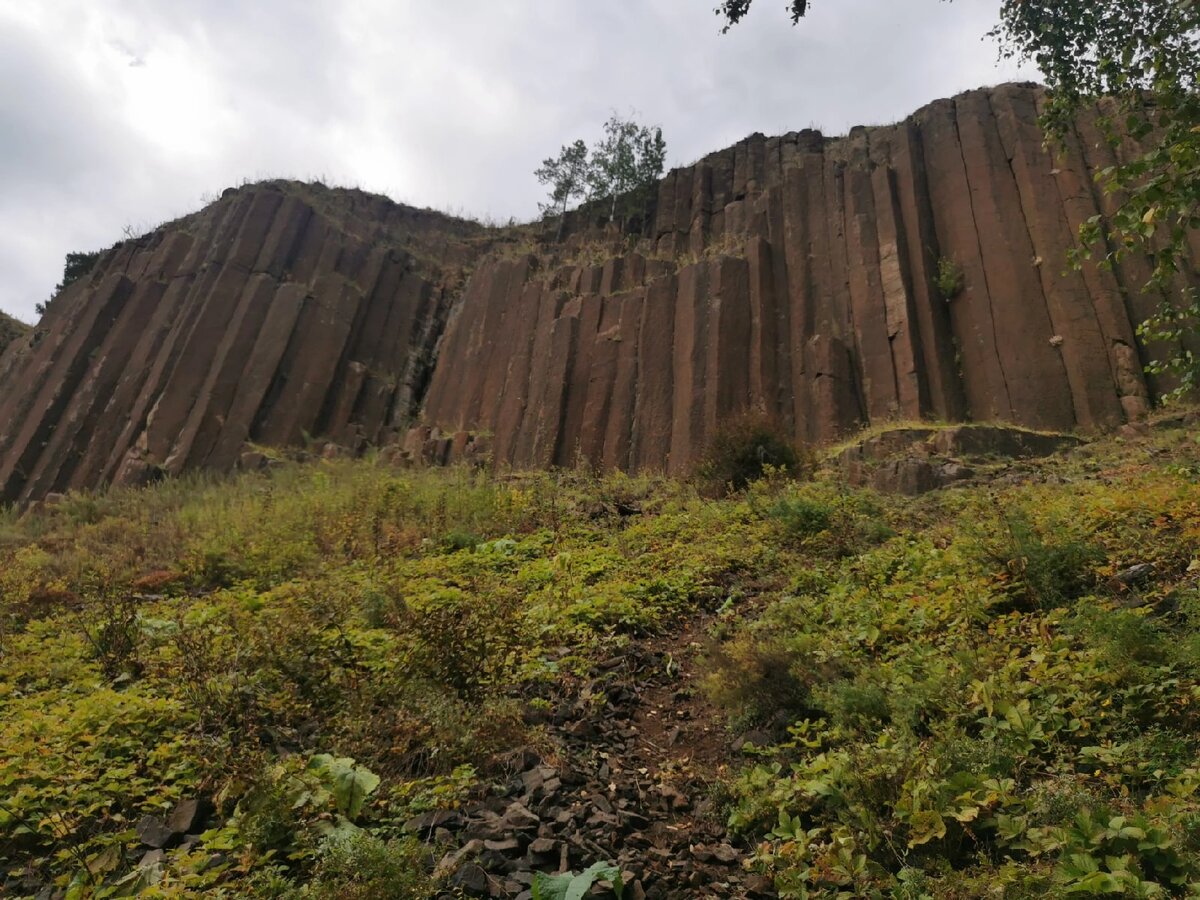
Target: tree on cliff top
{"x":1145,"y":55}
{"x":621,"y":168}
{"x":567,"y":175}
{"x":626,"y":164}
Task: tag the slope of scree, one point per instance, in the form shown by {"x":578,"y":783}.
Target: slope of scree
{"x":915,"y":270}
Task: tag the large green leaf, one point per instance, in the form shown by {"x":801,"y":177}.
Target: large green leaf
{"x":351,"y":784}
{"x":570,"y":886}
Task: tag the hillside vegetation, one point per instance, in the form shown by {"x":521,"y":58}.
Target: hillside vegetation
{"x":10,"y":330}
{"x":987,"y":691}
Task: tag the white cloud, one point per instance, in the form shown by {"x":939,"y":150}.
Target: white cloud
{"x":127,"y":112}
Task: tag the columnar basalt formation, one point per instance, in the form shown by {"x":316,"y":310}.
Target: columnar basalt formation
{"x":799,"y":276}
{"x":795,"y":275}
{"x":280,"y":312}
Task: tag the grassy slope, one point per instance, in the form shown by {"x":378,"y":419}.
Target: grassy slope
{"x":956,"y":693}
{"x":10,"y":330}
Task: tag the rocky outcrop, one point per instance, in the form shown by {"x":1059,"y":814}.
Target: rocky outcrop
{"x":915,"y":460}
{"x":280,"y":312}
{"x":802,"y":276}
{"x":805,"y":277}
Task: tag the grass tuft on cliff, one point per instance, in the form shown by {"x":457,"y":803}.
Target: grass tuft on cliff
{"x":983,"y":688}
{"x":10,"y":330}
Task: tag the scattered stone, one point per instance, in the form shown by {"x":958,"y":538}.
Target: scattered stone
{"x":914,"y":461}
{"x":605,"y":800}
{"x":472,"y":879}
{"x":518,"y":818}
{"x":252,"y":461}
{"x":1134,"y":575}
{"x":430,"y":821}
{"x":504,"y":846}
{"x":726,"y":853}
{"x":189,"y":815}
{"x":1001,"y":441}
{"x":153,"y":832}
{"x":675,"y":800}
{"x":453,"y":861}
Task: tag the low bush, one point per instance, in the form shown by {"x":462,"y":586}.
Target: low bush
{"x":744,"y":450}
{"x":1041,"y":567}
{"x":799,"y":518}
{"x":363,"y":867}
{"x":766,"y":682}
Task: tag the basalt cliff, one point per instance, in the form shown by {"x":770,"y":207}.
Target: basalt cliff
{"x":802,"y":276}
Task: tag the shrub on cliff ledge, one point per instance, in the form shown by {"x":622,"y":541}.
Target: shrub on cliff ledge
{"x":949,"y":279}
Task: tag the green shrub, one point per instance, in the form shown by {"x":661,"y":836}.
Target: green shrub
{"x":363,"y":867}
{"x":114,"y":632}
{"x":455,"y":541}
{"x":950,"y":279}
{"x":825,"y":518}
{"x":744,"y":450}
{"x":465,"y":642}
{"x":1042,"y":568}
{"x":267,"y":817}
{"x":799,"y":517}
{"x":1125,"y":637}
{"x":766,"y":681}
{"x":858,"y":705}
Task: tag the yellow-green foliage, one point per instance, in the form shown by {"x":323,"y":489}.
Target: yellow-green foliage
{"x":977,"y":705}
{"x":10,"y":330}
{"x":961,"y":700}
{"x":170,"y":641}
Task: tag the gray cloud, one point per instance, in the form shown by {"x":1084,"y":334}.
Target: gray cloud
{"x":126,"y":113}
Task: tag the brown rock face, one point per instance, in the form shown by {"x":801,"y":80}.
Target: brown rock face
{"x":799,"y":275}
{"x":278,"y":313}
{"x":796,"y":275}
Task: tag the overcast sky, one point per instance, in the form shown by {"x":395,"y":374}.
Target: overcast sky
{"x":121,"y":114}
